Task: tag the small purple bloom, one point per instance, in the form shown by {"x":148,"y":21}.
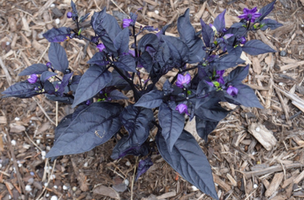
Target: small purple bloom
{"x":233,"y":91}
{"x":32,"y":79}
{"x":126,"y":22}
{"x":183,"y":81}
{"x":224,"y":30}
{"x":250,"y":14}
{"x":182,"y":108}
{"x":243,"y":40}
{"x":220,"y":79}
{"x":69,"y":14}
{"x":49,"y":65}
{"x":88,"y":102}
{"x":100,"y":47}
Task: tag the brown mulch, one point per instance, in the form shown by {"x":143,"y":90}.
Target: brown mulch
{"x":254,"y":153}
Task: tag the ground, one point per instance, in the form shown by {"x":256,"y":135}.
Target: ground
{"x":254,"y":153}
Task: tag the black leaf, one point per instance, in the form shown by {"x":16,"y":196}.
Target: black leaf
{"x":245,"y":97}
{"x":93,"y":80}
{"x":256,"y":47}
{"x":188,"y":159}
{"x":219,"y":22}
{"x":126,"y":63}
{"x":188,"y":35}
{"x":151,"y":99}
{"x":57,"y":34}
{"x":58,"y":57}
{"x":22,"y":89}
{"x":126,"y":146}
{"x":99,"y":58}
{"x":34,"y":69}
{"x":121,"y":41}
{"x":204,"y":127}
{"x":92,"y":126}
{"x":136,"y":121}
{"x":270,"y":23}
{"x":143,"y":166}
{"x":266,"y":10}
{"x":172,"y":124}
{"x":46,"y":75}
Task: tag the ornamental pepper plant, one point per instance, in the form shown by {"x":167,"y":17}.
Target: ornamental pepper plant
{"x":199,"y":59}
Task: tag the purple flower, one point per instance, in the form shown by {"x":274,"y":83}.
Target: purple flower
{"x":49,"y":65}
{"x":233,"y":91}
{"x":242,"y":40}
{"x":69,"y":15}
{"x":220,"y":78}
{"x":100,"y":47}
{"x":182,"y":108}
{"x":32,"y":79}
{"x":183,"y":81}
{"x":126,"y":22}
{"x":250,"y":14}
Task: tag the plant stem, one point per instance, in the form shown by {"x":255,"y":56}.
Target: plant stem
{"x":136,"y":94}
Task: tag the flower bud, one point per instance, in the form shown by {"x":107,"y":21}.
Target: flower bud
{"x":69,"y":15}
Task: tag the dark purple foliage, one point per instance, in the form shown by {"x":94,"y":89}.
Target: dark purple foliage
{"x":136,"y":77}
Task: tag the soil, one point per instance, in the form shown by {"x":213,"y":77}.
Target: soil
{"x":254,"y":153}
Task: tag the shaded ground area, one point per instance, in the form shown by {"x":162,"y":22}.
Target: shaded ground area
{"x":254,"y":154}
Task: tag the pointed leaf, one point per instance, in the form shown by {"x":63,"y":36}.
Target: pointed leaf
{"x":99,"y":58}
{"x":93,"y":126}
{"x":22,"y":89}
{"x":204,"y":127}
{"x":237,"y":75}
{"x":188,"y":35}
{"x":229,"y":60}
{"x":266,"y":10}
{"x":219,"y":22}
{"x":136,"y":121}
{"x":57,"y":34}
{"x":207,"y":33}
{"x":188,"y":159}
{"x":126,"y":63}
{"x":93,"y":80}
{"x":148,"y":40}
{"x":151,"y":99}
{"x":64,"y":82}
{"x":46,"y":75}
{"x":256,"y":47}
{"x":58,"y":57}
{"x":246,"y":97}
{"x":211,"y":110}
{"x":116,"y":95}
{"x":178,"y":50}
{"x":121,"y":41}
{"x":74,"y":7}
{"x":143,"y":166}
{"x":172,"y":124}
{"x":126,"y":146}
{"x":105,"y":25}
{"x":34,"y":69}
{"x":270,"y":23}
